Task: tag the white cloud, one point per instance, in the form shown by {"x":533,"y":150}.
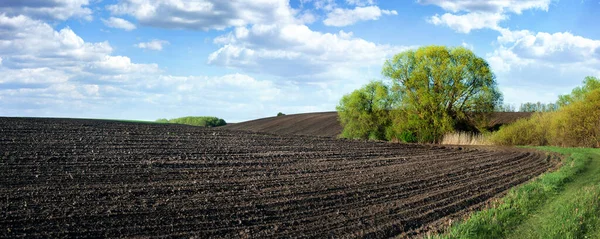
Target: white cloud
{"x":360,"y":2}
{"x":35,"y":76}
{"x":155,"y":44}
{"x":326,"y":5}
{"x":307,"y":17}
{"x":480,"y":14}
{"x":295,"y":50}
{"x":557,"y":47}
{"x":120,"y":65}
{"x":121,"y":23}
{"x":345,"y":35}
{"x":29,"y":43}
{"x":498,"y":6}
{"x":468,"y":22}
{"x":46,"y":72}
{"x":204,"y":15}
{"x":340,"y":17}
{"x":522,"y":47}
{"x":47,"y":9}
{"x":551,"y":64}
{"x":35,"y":53}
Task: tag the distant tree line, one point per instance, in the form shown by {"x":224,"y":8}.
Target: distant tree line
{"x":528,"y":107}
{"x":538,"y":107}
{"x":203,"y":121}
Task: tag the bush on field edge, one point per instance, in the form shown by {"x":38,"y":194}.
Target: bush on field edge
{"x":204,"y":121}
{"x":574,"y":125}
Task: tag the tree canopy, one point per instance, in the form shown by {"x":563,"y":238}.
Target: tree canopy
{"x":364,"y":113}
{"x":434,"y":89}
{"x":590,"y":83}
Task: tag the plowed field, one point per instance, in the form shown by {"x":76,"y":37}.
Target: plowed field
{"x":327,"y":124}
{"x":82,"y":178}
{"x":315,"y":124}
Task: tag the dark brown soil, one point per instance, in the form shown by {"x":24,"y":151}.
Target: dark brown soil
{"x":327,"y":124}
{"x":92,"y":178}
{"x":316,"y":124}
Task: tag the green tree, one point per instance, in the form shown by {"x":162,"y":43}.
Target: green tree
{"x":365,"y":113}
{"x":590,"y":83}
{"x":440,"y":88}
{"x":280,"y":114}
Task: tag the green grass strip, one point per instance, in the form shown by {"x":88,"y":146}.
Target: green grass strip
{"x":574,"y":213}
{"x":522,"y":201}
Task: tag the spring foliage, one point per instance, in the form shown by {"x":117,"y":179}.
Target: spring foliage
{"x":365,"y":113}
{"x":204,"y":121}
{"x":575,"y":124}
{"x":433,"y":89}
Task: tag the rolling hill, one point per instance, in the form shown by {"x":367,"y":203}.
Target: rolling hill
{"x":326,"y":123}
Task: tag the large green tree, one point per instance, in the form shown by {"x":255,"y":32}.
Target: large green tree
{"x":435,"y":90}
{"x":441,"y":88}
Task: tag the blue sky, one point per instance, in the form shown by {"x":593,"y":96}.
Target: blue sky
{"x":242,"y":60}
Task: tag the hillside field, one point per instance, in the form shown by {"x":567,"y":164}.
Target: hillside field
{"x":90,"y":178}
{"x":326,"y":124}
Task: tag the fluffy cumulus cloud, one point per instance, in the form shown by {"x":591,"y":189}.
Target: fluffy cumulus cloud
{"x":323,"y":65}
{"x":547,"y":62}
{"x":480,"y":14}
{"x":47,"y":9}
{"x":42,"y":66}
{"x":115,"y":22}
{"x":295,"y":50}
{"x":28,"y":43}
{"x":521,"y":48}
{"x":32,"y":49}
{"x":340,"y":17}
{"x":55,"y":72}
{"x":48,"y":72}
{"x":268,"y":36}
{"x":156,"y":45}
{"x":204,"y":15}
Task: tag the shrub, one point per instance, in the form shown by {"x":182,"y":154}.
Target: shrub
{"x":204,"y":121}
{"x":527,"y":131}
{"x":576,"y":124}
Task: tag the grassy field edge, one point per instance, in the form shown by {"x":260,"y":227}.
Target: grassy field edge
{"x":521,"y":202}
